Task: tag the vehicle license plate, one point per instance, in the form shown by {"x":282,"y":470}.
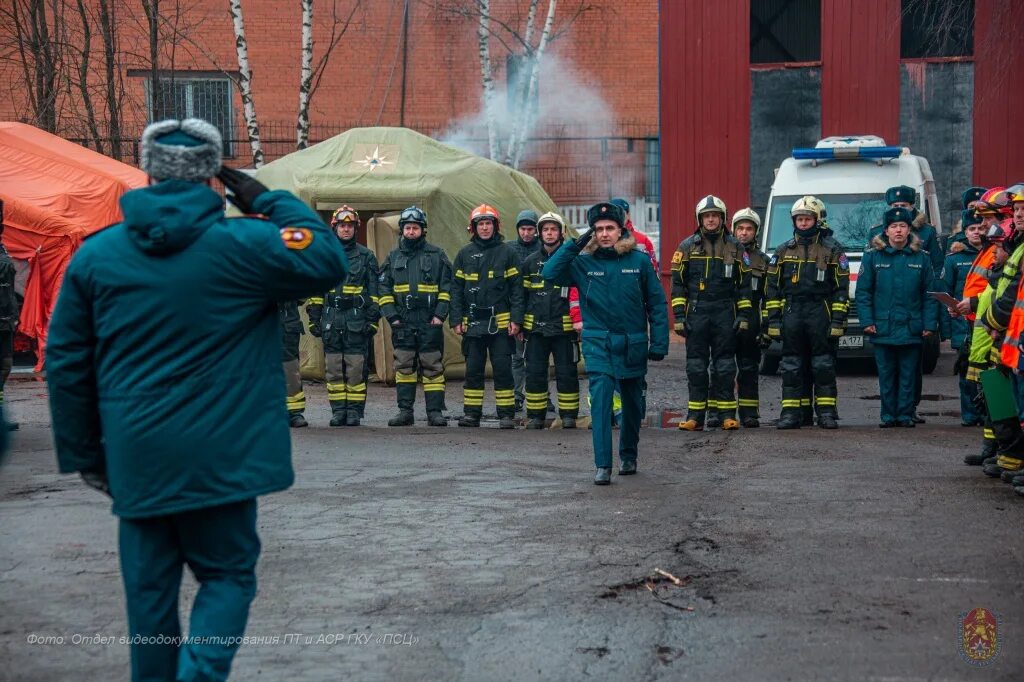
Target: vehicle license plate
{"x":851,"y":341}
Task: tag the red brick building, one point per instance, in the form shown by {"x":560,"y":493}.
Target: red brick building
{"x":720,"y":91}
{"x":413,"y":63}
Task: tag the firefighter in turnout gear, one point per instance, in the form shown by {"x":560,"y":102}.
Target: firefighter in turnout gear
{"x":415,"y":297}
{"x":806,"y":297}
{"x":549,"y":332}
{"x":345,"y":318}
{"x":291,"y":332}
{"x":526,"y":244}
{"x":982,"y":346}
{"x":710,"y":307}
{"x":487,"y":312}
{"x":746,"y":224}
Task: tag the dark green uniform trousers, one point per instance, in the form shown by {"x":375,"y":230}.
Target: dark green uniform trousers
{"x":220,"y":547}
{"x":602,"y":388}
{"x":898,"y":368}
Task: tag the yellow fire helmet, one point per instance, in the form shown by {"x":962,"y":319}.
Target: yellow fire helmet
{"x":710,"y":204}
{"x":806,"y":206}
{"x":748,"y":214}
{"x":551,"y":217}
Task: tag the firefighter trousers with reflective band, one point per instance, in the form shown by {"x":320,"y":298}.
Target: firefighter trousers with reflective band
{"x":806,"y":344}
{"x":419,"y":352}
{"x":562,"y":348}
{"x":499,"y":347}
{"x":519,"y":371}
{"x":296,"y":400}
{"x":748,"y":366}
{"x":711,"y":348}
{"x":220,"y":546}
{"x":897,"y":370}
{"x":633,"y":392}
{"x":346,"y":358}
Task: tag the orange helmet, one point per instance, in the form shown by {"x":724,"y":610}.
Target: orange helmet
{"x":344,"y":214}
{"x":1016,"y":193}
{"x":996,"y":201}
{"x":484,"y":211}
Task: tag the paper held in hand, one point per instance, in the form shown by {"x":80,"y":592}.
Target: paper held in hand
{"x":944,"y":298}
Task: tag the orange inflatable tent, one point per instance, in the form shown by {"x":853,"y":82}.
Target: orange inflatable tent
{"x":55,"y":193}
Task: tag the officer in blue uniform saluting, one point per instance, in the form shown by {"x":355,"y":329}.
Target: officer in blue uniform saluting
{"x":619,"y":296}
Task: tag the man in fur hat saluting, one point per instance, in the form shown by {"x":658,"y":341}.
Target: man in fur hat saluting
{"x":619,"y":296}
{"x":166,"y":389}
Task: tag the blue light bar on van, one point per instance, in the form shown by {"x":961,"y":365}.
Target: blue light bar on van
{"x":809,"y":153}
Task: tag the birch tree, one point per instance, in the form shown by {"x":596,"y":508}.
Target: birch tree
{"x":487,"y":77}
{"x":517,"y":138}
{"x":506,"y":133}
{"x":305,"y":75}
{"x":252,"y":125}
{"x":310,"y":76}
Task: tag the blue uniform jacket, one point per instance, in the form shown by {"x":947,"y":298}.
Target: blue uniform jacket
{"x":164,"y":355}
{"x":926,"y":233}
{"x":891,"y":292}
{"x":620,"y":295}
{"x":954,"y":273}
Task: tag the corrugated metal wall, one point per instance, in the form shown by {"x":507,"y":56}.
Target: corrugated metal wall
{"x":705,"y":110}
{"x":860,"y":69}
{"x":998,"y":92}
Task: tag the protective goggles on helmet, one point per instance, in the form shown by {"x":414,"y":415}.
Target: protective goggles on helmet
{"x":412,"y":215}
{"x":345,"y":214}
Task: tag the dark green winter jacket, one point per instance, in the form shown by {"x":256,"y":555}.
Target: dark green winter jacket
{"x":953,"y":277}
{"x":620,"y":296}
{"x":164,"y":353}
{"x":891,"y":292}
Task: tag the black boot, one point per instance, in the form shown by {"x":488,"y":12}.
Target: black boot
{"x":436,"y":419}
{"x":603,"y":476}
{"x":987,"y":450}
{"x":790,"y":420}
{"x":296,"y":420}
{"x":535,"y":423}
{"x":352,"y":417}
{"x":712,"y":421}
{"x":627,"y":467}
{"x":990,"y":467}
{"x":507,"y":423}
{"x":403,"y":418}
{"x":469,"y":421}
{"x":338,"y":418}
{"x":568,"y":422}
{"x":827,"y":421}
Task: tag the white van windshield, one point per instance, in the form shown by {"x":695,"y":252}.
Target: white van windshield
{"x":850,"y":217}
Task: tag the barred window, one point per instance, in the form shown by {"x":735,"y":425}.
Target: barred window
{"x":186,"y":95}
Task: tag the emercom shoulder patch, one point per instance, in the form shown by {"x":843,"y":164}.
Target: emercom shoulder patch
{"x":296,"y":238}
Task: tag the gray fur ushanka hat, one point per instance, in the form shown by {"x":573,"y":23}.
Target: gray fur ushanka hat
{"x":189,"y":149}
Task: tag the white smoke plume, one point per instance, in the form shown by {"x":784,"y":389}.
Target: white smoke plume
{"x":567,"y":107}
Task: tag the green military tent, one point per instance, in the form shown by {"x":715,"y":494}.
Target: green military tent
{"x":379,"y":172}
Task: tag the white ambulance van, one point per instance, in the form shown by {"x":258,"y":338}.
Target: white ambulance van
{"x":850,"y":175}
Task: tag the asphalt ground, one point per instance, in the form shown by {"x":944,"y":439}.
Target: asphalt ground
{"x":479,"y":554}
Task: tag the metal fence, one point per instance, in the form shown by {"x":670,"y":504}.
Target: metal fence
{"x":574,"y":165}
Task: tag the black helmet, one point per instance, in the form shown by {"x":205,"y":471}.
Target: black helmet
{"x":412,"y":214}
